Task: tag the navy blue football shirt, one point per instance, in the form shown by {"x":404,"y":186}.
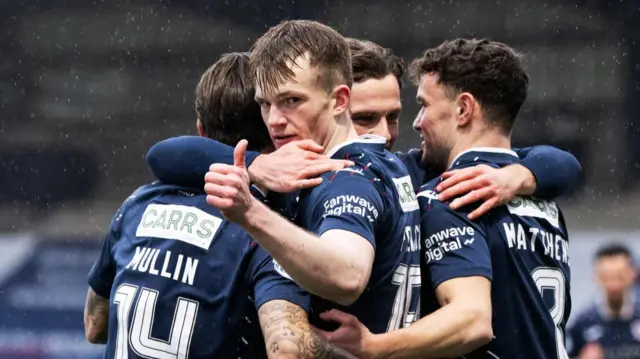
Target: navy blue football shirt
{"x":184,"y":161}
{"x":374,"y":199}
{"x":521,"y":247}
{"x":619,"y":337}
{"x":182,"y":281}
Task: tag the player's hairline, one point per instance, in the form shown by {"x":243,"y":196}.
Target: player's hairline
{"x":326,"y":76}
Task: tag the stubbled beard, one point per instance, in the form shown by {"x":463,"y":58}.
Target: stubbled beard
{"x":435,"y":160}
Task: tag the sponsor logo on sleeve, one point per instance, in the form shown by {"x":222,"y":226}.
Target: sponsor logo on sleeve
{"x":350,"y":204}
{"x":182,"y":223}
{"x":437,"y":245}
{"x":408,"y":199}
{"x":535,"y":207}
{"x":281,"y":270}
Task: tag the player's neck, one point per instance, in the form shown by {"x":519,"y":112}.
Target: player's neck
{"x":618,"y":306}
{"x":493,"y":138}
{"x":343,"y":132}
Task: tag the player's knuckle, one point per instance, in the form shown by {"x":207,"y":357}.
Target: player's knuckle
{"x":487,"y":181}
{"x":301,"y":173}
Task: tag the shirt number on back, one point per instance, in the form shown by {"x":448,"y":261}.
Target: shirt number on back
{"x":138,"y":334}
{"x":552,"y":279}
{"x":405,"y":311}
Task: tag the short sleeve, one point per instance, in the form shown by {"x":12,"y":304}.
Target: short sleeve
{"x":349,"y":201}
{"x":556,"y":171}
{"x":185,"y":160}
{"x":103,"y":272}
{"x":453,"y":245}
{"x":271,"y":282}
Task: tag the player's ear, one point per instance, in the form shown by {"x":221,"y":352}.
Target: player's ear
{"x":200,"y":127}
{"x":341,"y":98}
{"x":467,"y":107}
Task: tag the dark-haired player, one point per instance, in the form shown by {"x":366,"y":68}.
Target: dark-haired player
{"x":497,"y":286}
{"x":610,"y":327}
{"x":176,"y":280}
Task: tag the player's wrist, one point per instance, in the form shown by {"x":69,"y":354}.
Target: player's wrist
{"x":526,"y":180}
{"x":376,"y":347}
{"x":253,"y":214}
{"x":254,"y":169}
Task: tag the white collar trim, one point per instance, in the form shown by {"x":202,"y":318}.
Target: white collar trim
{"x":263,"y":193}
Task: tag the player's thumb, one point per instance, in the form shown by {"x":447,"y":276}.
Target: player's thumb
{"x":310,"y":145}
{"x":239,"y":153}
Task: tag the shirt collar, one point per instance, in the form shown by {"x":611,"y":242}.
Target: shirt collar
{"x":627,"y":310}
{"x":486,"y":153}
{"x":371,"y":141}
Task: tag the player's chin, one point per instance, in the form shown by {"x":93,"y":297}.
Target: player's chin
{"x":431,"y":159}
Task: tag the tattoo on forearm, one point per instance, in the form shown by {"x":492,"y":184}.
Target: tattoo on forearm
{"x":97,"y":316}
{"x":286,"y":330}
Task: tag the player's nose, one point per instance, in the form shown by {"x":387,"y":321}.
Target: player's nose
{"x":383,"y":129}
{"x":417,"y":122}
{"x":276,"y":118}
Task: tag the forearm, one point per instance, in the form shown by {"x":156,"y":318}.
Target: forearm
{"x":96,"y":318}
{"x":525,"y":178}
{"x":288,"y":335}
{"x":449,"y":332}
{"x":316,"y":265}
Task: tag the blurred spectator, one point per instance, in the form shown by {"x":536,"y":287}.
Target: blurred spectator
{"x":610,"y":327}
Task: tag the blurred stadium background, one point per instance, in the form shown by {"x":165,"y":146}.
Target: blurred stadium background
{"x":87,"y":87}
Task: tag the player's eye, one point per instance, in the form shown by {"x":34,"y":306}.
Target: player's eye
{"x":393,"y":116}
{"x":264,"y":106}
{"x":291,"y":101}
{"x":362,"y":118}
